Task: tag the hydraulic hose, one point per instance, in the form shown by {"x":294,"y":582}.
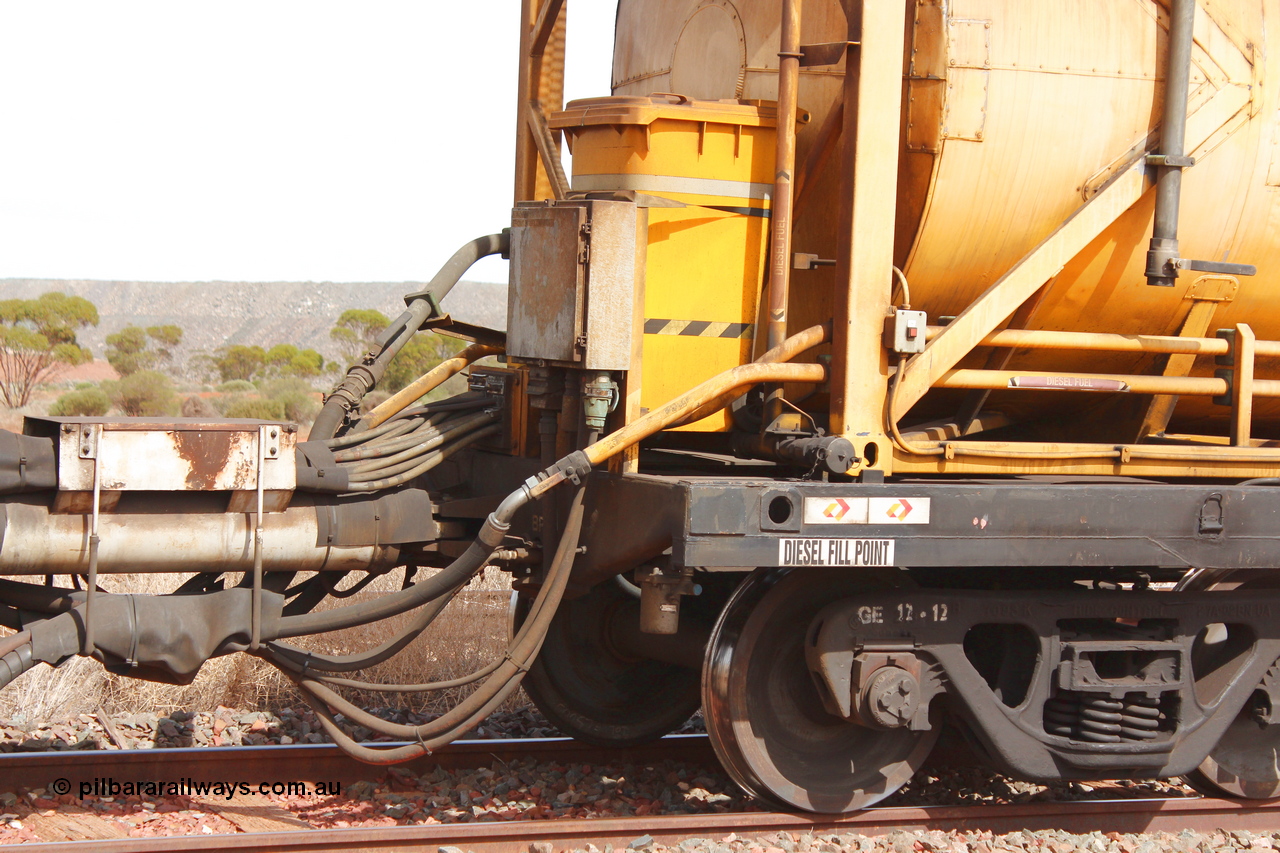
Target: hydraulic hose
{"x":16,"y":656}
{"x":304,"y":660}
{"x":427,"y":440}
{"x":361,"y":378}
{"x":504,"y":679}
{"x":357,"y":483}
{"x":455,"y":574}
{"x":428,"y":382}
{"x":403,"y":422}
{"x":716,"y":391}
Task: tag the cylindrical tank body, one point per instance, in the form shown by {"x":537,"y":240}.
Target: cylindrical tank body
{"x":1016,"y":112}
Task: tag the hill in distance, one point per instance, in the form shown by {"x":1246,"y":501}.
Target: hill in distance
{"x":217,"y":313}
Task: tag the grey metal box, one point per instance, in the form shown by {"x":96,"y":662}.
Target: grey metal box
{"x":576,"y":270}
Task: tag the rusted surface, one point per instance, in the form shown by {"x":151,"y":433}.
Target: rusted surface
{"x":545,"y":307}
{"x":318,"y":761}
{"x":171,"y":454}
{"x":517,"y":836}
{"x":207,"y":454}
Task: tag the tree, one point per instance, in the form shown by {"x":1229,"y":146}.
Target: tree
{"x":284,"y":360}
{"x":356,"y":331}
{"x":133,"y":348}
{"x":38,"y":341}
{"x":239,"y":361}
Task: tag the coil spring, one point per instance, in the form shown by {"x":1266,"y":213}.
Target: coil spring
{"x":1102,"y":719}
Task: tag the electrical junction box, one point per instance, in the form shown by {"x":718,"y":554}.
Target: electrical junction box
{"x":577,"y":275}
{"x":909,"y":331}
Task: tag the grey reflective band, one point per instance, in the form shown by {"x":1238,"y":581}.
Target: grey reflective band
{"x":672,"y":184}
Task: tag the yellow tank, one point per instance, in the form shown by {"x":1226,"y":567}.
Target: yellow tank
{"x":705,"y":262}
{"x":1017,"y":111}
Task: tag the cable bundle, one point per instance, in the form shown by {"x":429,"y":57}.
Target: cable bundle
{"x":414,"y":442}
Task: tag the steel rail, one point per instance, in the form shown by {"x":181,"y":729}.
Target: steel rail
{"x":284,"y":763}
{"x":1126,"y":816}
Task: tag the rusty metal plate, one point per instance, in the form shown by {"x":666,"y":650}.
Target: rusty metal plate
{"x":172,"y":455}
{"x":616,"y":253}
{"x":544,"y":311}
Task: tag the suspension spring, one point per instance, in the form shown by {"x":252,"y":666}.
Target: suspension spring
{"x":1098,"y":718}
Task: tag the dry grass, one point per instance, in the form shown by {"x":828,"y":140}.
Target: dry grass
{"x":470,"y":633}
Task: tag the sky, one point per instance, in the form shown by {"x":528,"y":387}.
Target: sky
{"x":272,"y":140}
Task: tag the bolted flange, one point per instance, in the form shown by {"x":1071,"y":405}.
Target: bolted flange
{"x":891,"y":697}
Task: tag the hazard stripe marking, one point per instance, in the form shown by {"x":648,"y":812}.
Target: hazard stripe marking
{"x":698,"y":328}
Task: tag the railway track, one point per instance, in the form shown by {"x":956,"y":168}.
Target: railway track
{"x":281,"y":763}
{"x":1118,"y":816}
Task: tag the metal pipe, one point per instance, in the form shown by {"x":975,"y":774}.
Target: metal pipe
{"x":428,"y":382}
{"x":1173,"y":128}
{"x":784,"y":173}
{"x":1001,"y":379}
{"x":1103,"y":341}
{"x":715,"y":392}
{"x":362,"y":377}
{"x":787,"y":350}
{"x":38,"y":542}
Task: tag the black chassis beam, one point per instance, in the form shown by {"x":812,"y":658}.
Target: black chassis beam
{"x":719,"y":523}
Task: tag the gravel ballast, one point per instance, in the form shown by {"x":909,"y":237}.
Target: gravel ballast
{"x":527,"y":790}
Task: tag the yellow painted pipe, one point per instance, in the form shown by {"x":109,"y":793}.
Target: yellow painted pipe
{"x":785,"y":351}
{"x":1104,"y":342}
{"x":1029,"y":380}
{"x":429,"y":381}
{"x":716,"y":391}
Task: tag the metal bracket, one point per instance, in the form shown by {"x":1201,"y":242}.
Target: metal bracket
{"x":1213,"y":516}
{"x":1213,"y":267}
{"x":806,"y":261}
{"x":827,"y":53}
{"x":1170,"y":161}
{"x":90,"y":436}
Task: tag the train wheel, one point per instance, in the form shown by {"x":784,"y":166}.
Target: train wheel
{"x":765,"y":716}
{"x":591,"y":692}
{"x":1245,"y":763}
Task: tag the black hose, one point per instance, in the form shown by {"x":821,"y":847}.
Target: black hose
{"x":39,"y":598}
{"x":361,"y":378}
{"x":454,"y":575}
{"x":307,"y":660}
{"x":403,"y":473}
{"x":16,"y":662}
{"x":415,"y":444}
{"x":503,"y":681}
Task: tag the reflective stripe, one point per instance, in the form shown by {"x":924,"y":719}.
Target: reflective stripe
{"x":671,"y":184}
{"x":698,"y":328}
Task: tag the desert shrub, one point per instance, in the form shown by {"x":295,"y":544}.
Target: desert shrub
{"x":258,"y":408}
{"x":146,"y":393}
{"x":82,"y":402}
{"x":295,"y":396}
{"x":237,"y":386}
{"x":198,"y":407}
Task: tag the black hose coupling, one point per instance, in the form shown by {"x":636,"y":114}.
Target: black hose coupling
{"x":833,"y":453}
{"x":573,"y":467}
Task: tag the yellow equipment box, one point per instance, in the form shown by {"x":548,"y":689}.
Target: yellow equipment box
{"x":706,"y":259}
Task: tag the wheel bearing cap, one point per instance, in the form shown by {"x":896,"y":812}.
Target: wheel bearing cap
{"x":891,"y":697}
